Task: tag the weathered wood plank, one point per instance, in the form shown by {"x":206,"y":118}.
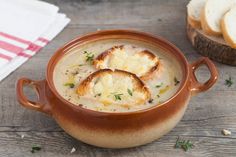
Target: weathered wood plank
{"x":60,"y":144}
{"x":95,"y":12}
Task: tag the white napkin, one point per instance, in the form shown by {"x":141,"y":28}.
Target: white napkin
{"x":26,"y":26}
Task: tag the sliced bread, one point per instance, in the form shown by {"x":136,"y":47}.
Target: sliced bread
{"x":228,"y":25}
{"x":129,"y":58}
{"x":212,"y":14}
{"x":194,"y":9}
{"x":114,"y":87}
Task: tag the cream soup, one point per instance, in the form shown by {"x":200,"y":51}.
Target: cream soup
{"x":77,"y":65}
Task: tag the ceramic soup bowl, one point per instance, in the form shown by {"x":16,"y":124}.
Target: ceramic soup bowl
{"x":117,"y":129}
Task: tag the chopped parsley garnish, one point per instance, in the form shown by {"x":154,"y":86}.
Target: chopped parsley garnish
{"x":130,"y":92}
{"x":71,"y":85}
{"x":176,"y":81}
{"x":96,"y":95}
{"x":35,"y":148}
{"x":158,"y":95}
{"x":229,"y":82}
{"x":158,"y":86}
{"x":117,"y":96}
{"x":150,"y":101}
{"x":89,"y":56}
{"x":183,"y":144}
{"x":81,"y":65}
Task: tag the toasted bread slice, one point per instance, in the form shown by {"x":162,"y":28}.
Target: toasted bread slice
{"x":228,"y":25}
{"x":193,"y":23}
{"x":114,"y":87}
{"x":129,"y":58}
{"x":194,"y":9}
{"x":212,"y":14}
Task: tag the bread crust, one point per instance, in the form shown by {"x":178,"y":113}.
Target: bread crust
{"x":191,"y":14}
{"x":194,"y":23}
{"x":204,"y":24}
{"x":83,"y":88}
{"x":226,"y":35}
{"x":148,"y":75}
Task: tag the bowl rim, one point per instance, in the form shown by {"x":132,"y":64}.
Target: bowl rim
{"x":94,"y":35}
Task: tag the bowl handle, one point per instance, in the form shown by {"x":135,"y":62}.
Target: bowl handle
{"x":196,"y":86}
{"x":39,"y":86}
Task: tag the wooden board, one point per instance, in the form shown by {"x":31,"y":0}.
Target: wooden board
{"x":207,"y":114}
{"x":213,"y":47}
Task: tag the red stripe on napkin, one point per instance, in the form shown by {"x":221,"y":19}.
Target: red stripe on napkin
{"x":5,"y":57}
{"x":34,"y":47}
{"x":10,"y":47}
{"x":20,"y":51}
{"x":43,"y":40}
{"x":15,"y":38}
{"x":22,"y":54}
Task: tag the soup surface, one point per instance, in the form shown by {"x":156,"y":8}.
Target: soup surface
{"x":116,"y":93}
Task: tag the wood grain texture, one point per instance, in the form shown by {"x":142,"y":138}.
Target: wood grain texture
{"x":207,"y":114}
{"x":213,"y":47}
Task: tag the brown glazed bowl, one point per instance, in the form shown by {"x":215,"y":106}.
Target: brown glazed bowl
{"x":124,"y":129}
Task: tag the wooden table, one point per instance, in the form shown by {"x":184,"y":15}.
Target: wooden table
{"x":208,"y":113}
